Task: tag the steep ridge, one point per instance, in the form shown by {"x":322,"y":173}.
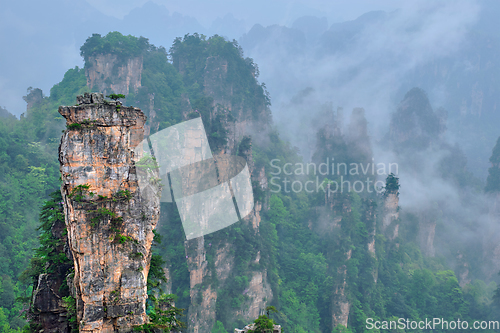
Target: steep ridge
{"x":105,"y":73}
{"x":230,"y":117}
{"x":326,"y":260}
{"x":221,"y":86}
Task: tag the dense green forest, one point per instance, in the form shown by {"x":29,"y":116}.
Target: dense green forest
{"x":30,"y":172}
{"x":306,"y":263}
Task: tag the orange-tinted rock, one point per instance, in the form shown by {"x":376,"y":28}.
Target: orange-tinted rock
{"x":109,"y":234}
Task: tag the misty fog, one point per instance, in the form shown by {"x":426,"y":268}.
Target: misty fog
{"x":314,"y":58}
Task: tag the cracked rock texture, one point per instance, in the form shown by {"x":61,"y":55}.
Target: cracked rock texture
{"x":109,"y":74}
{"x":110,"y":224}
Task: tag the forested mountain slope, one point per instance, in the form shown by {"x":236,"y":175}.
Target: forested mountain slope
{"x":327,"y":260}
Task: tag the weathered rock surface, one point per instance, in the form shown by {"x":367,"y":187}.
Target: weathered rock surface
{"x":48,"y":308}
{"x":34,"y":97}
{"x":391,"y":215}
{"x":110,"y":74}
{"x":110,"y":225}
{"x":340,"y":303}
{"x":107,"y":73}
{"x":427,"y":231}
{"x":240,"y":122}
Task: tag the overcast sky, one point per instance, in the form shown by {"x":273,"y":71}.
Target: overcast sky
{"x":41,"y":39}
{"x":265,"y":12}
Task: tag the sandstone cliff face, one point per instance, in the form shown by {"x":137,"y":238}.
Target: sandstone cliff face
{"x":427,"y":231}
{"x":340,"y":304}
{"x":107,"y":73}
{"x":370,"y":220}
{"x":260,"y":294}
{"x":110,"y":224}
{"x":215,"y":81}
{"x":203,"y":298}
{"x":462,"y":270}
{"x":337,"y":206}
{"x":390,"y":215}
{"x":246,"y":120}
{"x":208,"y":279}
{"x":33,"y":97}
{"x":358,"y":134}
{"x":202,"y":315}
{"x":205,"y":292}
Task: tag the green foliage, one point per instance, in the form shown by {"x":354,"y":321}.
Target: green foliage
{"x":147,"y":162}
{"x":122,"y":239}
{"x":88,"y":122}
{"x":156,"y":274}
{"x":341,"y":329}
{"x":79,"y":192}
{"x":69,"y":302}
{"x":162,"y":314}
{"x":245,"y":145}
{"x":263,"y":324}
{"x":391,"y":184}
{"x":218,"y":328}
{"x":64,"y":93}
{"x":115,"y":97}
{"x":124,"y":47}
{"x":218,"y":136}
{"x":171,"y":252}
{"x":194,"y":55}
{"x":49,"y":255}
{"x":136,"y":255}
{"x":415,"y":115}
{"x":123,"y":195}
{"x":74,"y":126}
{"x":100,"y":214}
{"x":303,"y":252}
{"x":271,"y":309}
{"x":496,"y":297}
{"x":161,"y":90}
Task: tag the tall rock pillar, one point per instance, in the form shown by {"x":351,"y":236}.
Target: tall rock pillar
{"x":110,"y":224}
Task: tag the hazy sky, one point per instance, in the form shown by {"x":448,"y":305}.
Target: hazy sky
{"x":41,"y":40}
{"x":265,"y":12}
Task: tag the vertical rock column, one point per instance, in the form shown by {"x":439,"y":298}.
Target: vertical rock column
{"x":110,"y":225}
{"x":391,"y":213}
